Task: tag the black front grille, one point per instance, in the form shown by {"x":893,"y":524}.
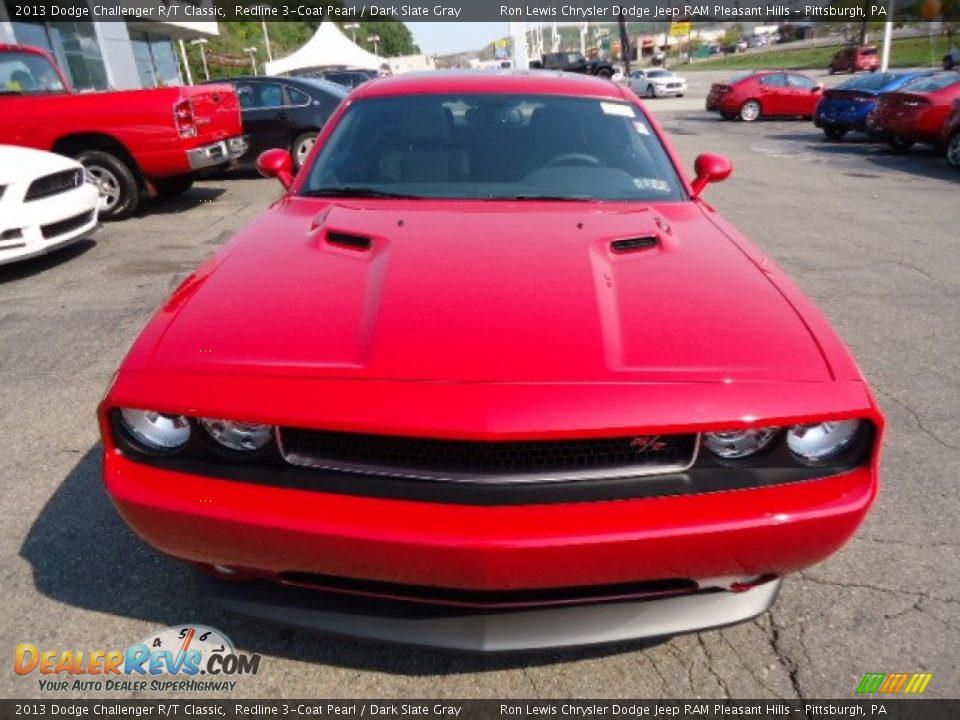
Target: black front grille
{"x":64,"y":226}
{"x":54,"y":184}
{"x":492,"y":599}
{"x":436,"y":459}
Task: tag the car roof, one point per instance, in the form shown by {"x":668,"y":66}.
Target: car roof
{"x":533,"y":82}
{"x":324,"y":85}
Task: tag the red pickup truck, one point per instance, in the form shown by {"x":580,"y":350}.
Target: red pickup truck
{"x":132,"y":142}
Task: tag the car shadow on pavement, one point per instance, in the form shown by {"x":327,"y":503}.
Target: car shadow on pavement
{"x":33,"y":266}
{"x":83,"y":554}
{"x":194,"y":197}
{"x":919,"y":160}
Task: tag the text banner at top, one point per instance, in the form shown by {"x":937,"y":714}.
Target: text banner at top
{"x":760,"y":11}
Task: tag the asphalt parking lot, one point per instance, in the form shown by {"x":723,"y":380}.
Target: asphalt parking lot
{"x":871,"y":236}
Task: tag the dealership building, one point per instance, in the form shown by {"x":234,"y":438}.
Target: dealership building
{"x":116,"y":55}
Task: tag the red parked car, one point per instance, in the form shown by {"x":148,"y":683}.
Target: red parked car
{"x":131,"y":142}
{"x":951,"y":136}
{"x":474,"y":382}
{"x":855,"y":59}
{"x":770,"y":93}
{"x":917,"y":113}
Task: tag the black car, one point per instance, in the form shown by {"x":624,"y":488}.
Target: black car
{"x":284,"y":112}
{"x":347,"y":78}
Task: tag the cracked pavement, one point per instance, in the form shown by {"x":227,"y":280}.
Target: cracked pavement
{"x":873,"y":238}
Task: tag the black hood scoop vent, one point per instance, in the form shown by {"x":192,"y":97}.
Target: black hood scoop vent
{"x":632,"y":245}
{"x":349,"y":241}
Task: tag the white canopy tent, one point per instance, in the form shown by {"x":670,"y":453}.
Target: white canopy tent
{"x":328,"y":47}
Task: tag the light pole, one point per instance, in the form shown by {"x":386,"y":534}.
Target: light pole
{"x":186,"y":62}
{"x":202,"y":42}
{"x":252,"y":52}
{"x":374,"y":39}
{"x":266,"y":40}
{"x":352,"y":27}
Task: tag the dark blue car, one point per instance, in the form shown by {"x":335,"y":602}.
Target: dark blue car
{"x":845,"y":107}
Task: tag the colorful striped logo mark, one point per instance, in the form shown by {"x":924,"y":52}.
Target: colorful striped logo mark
{"x":890,"y":683}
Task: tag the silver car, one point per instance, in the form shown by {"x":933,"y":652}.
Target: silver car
{"x":657,"y":82}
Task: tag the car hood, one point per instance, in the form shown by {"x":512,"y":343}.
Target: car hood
{"x":19,"y":163}
{"x":483,"y":292}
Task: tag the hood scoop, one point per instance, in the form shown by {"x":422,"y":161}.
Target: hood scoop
{"x":634,"y":244}
{"x":349,"y":241}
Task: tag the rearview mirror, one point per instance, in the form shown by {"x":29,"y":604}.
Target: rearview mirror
{"x":276,"y":163}
{"x":710,"y":169}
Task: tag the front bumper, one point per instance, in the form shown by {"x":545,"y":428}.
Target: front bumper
{"x":34,"y":228}
{"x":492,"y":632}
{"x":265,"y":531}
{"x":218,"y":153}
{"x":664,"y":91}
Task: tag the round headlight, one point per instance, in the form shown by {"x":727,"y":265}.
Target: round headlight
{"x":822,"y":440}
{"x":156,"y":431}
{"x":234,"y":435}
{"x":735,"y":444}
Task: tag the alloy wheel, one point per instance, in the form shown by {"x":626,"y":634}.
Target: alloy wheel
{"x":953,"y":151}
{"x":303,"y":149}
{"x":750,"y":111}
{"x":107,"y":184}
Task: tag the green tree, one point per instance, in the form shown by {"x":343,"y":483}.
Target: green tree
{"x":395,"y":37}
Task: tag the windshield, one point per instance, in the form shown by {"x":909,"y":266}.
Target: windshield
{"x":27,"y":74}
{"x":740,"y":76}
{"x":492,"y":146}
{"x":932,"y":83}
{"x":873,"y":81}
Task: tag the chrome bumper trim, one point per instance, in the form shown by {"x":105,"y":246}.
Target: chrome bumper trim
{"x":217,"y":153}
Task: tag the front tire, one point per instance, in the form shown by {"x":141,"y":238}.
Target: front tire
{"x":651,"y":91}
{"x":118,"y":186}
{"x":604,"y":73}
{"x":953,"y":151}
{"x":750,"y":111}
{"x":948,"y":63}
{"x":301,"y":148}
{"x":899,"y":144}
{"x":834,"y":133}
{"x":173,"y":186}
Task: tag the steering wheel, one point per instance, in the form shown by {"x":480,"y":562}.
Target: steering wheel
{"x":573,"y":159}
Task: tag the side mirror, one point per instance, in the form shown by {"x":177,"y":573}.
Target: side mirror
{"x":276,"y":163}
{"x":709,"y":169}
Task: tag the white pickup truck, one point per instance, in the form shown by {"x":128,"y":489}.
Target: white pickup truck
{"x":952,"y":59}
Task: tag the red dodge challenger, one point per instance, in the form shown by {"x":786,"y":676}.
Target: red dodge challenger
{"x":491,"y":375}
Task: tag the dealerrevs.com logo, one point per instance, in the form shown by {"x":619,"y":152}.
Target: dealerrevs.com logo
{"x":190,"y":658}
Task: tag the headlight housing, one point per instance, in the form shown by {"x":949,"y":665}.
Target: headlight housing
{"x":736,"y":444}
{"x":239,"y":436}
{"x":824,"y":440}
{"x":155,"y":431}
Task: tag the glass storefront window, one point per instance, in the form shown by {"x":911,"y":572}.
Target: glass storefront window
{"x":156,"y":58}
{"x":74,"y":45}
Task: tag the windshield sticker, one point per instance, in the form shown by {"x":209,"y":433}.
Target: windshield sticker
{"x":655,"y":184}
{"x":619,"y":109}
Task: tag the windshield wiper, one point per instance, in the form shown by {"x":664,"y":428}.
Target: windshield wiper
{"x":358,"y":192}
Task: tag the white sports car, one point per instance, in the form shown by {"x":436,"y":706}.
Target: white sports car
{"x":657,"y":82}
{"x":45,"y":203}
